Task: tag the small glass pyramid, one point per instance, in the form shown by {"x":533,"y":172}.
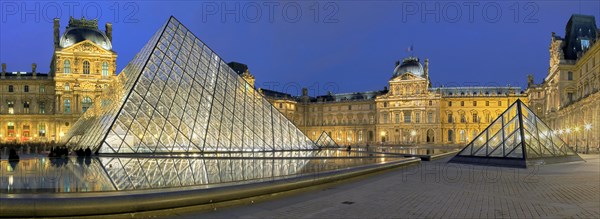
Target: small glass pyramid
{"x":325,"y":140}
{"x":515,"y":139}
{"x":178,"y":96}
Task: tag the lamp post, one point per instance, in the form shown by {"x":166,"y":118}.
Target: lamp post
{"x":568,"y":131}
{"x":576,"y":138}
{"x":587,"y":129}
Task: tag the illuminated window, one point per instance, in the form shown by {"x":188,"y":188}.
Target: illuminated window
{"x":104,"y":69}
{"x":67,"y":67}
{"x":67,"y":104}
{"x":397,"y":118}
{"x":407,"y":116}
{"x":463,"y":136}
{"x":86,"y":67}
{"x":10,"y":128}
{"x":42,"y":107}
{"x":42,"y":130}
{"x":11,"y":107}
{"x":67,"y":87}
{"x":585,"y":44}
{"x":42,"y":89}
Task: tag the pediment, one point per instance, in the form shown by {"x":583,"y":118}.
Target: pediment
{"x":86,"y":46}
{"x":407,"y":77}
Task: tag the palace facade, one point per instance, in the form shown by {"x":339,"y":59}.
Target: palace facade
{"x":41,"y":107}
{"x":568,"y":99}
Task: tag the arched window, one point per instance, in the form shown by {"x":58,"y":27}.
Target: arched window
{"x":86,"y":67}
{"x":67,"y":87}
{"x":67,"y":104}
{"x":86,"y":102}
{"x":67,"y":67}
{"x":105,"y":69}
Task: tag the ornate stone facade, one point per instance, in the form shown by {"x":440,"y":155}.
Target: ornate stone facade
{"x":41,"y":107}
{"x":409,"y":112}
{"x":568,"y":98}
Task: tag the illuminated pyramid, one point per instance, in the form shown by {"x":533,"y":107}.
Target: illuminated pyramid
{"x":502,"y":143}
{"x":325,"y":140}
{"x":178,"y":96}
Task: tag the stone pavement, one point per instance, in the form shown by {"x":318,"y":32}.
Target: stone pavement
{"x":440,"y":190}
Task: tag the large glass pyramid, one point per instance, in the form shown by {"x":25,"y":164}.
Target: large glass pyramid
{"x":517,"y":138}
{"x":325,"y":140}
{"x":178,"y":96}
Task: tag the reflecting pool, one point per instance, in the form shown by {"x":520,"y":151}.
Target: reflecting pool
{"x":40,"y":174}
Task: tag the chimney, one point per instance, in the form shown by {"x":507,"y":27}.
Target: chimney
{"x":3,"y":70}
{"x":33,"y":68}
{"x":56,"y":32}
{"x":108,"y":27}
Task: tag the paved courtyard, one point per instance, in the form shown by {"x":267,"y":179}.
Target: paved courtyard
{"x":439,"y":190}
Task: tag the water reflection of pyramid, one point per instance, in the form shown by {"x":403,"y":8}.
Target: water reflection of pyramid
{"x":177,"y":95}
{"x":502,"y":143}
{"x":325,"y":140}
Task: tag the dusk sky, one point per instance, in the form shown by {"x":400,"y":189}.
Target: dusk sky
{"x":350,"y":46}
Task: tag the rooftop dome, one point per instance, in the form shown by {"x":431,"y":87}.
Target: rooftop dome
{"x":80,"y":30}
{"x":410,"y":64}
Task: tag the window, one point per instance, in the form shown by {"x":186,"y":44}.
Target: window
{"x":42,"y":108}
{"x":463,"y":136}
{"x":67,"y":87}
{"x":407,"y":116}
{"x":430,"y":103}
{"x":385,"y":118}
{"x":475,"y":118}
{"x":474,"y":103}
{"x":67,"y":104}
{"x":417,"y":117}
{"x":397,"y":118}
{"x":385,"y":104}
{"x":450,"y":119}
{"x":42,"y":89}
{"x":11,"y":88}
{"x":26,"y":88}
{"x":585,"y":44}
{"x":429,"y":117}
{"x":463,"y":118}
{"x":499,"y":103}
{"x":450,"y":135}
{"x":25,"y":130}
{"x":25,"y":107}
{"x":10,"y":128}
{"x":449,"y":103}
{"x":42,"y":130}
{"x":570,"y":96}
{"x":11,"y":107}
{"x":349,"y":107}
{"x":570,"y":76}
{"x":86,"y":102}
{"x":280,"y":105}
{"x":67,"y":67}
{"x":86,"y":67}
{"x":104,"y":69}
{"x":487,"y":103}
{"x":462,"y":103}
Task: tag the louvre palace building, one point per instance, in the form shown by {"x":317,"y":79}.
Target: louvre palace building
{"x":41,"y":107}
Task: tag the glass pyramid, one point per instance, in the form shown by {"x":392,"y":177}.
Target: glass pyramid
{"x":517,"y":137}
{"x":178,"y":96}
{"x":325,"y":140}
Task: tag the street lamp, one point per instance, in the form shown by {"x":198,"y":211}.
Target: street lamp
{"x":576,"y":131}
{"x":587,"y":129}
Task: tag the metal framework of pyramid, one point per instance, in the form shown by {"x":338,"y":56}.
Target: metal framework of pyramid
{"x":178,"y":96}
{"x":517,"y":138}
{"x":325,"y":140}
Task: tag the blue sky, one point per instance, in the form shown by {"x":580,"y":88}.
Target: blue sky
{"x":343,"y":46}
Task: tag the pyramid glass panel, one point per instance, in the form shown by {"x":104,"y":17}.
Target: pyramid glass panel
{"x":178,"y":96}
{"x":514,"y":139}
{"x":325,"y":140}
